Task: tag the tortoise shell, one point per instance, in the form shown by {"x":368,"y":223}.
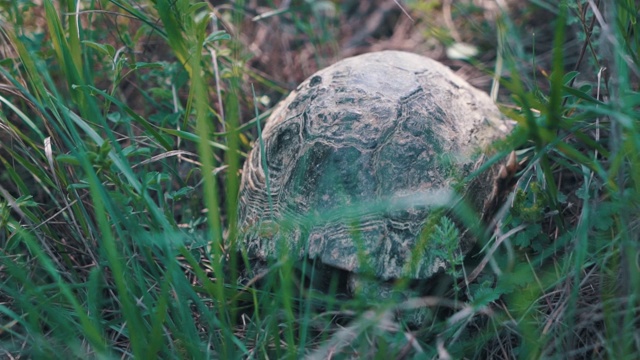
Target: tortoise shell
{"x":352,"y":163}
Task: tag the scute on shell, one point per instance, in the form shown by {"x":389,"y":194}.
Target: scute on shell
{"x":356,"y":159}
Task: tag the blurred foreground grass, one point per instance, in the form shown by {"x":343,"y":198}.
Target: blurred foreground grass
{"x":119,"y":180}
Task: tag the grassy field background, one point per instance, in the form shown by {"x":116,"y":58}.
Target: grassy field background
{"x":124,"y":124}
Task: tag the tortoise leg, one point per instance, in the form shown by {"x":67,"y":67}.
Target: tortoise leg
{"x":503,"y":184}
{"x":390,"y":297}
{"x":373,"y":289}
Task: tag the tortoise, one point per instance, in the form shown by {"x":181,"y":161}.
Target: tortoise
{"x":352,"y":164}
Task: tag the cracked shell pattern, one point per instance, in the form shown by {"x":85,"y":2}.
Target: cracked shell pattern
{"x":357,"y":157}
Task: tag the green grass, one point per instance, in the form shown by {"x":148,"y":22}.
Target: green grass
{"x":119,"y":179}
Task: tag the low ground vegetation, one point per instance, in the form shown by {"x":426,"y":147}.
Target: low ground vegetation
{"x":124,"y":125}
